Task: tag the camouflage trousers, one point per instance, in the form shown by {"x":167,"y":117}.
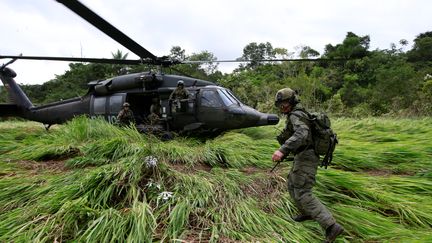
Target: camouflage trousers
{"x":301,"y":180}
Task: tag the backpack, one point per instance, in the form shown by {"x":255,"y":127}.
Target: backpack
{"x":325,"y":139}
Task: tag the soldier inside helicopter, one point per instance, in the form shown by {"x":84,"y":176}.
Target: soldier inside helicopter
{"x":179,"y":97}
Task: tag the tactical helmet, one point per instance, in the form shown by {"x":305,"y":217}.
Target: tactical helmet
{"x":180,"y":82}
{"x":286,"y":94}
{"x":126,"y":104}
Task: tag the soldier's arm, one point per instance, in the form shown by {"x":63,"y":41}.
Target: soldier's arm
{"x":120,"y":114}
{"x":283,"y":136}
{"x":299,"y":137}
{"x":184,"y":94}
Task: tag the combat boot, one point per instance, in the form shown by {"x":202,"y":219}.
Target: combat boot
{"x":301,"y":218}
{"x":332,"y":232}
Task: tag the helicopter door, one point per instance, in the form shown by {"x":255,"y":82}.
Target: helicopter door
{"x":210,"y":108}
{"x":107,"y":106}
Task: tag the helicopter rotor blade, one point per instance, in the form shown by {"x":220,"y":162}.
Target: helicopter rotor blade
{"x":79,"y":59}
{"x":163,"y":61}
{"x":272,"y":60}
{"x":100,"y":23}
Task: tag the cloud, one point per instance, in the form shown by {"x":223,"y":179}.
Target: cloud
{"x":223,"y":27}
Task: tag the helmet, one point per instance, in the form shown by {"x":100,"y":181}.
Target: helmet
{"x":126,"y":104}
{"x":180,"y":82}
{"x":286,"y":94}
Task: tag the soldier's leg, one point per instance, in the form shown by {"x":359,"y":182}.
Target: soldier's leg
{"x":303,"y":177}
{"x":291,"y":192}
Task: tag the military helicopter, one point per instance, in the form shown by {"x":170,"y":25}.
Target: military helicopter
{"x":208,"y":108}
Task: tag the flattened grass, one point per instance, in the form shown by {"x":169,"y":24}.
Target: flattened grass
{"x":105,"y":189}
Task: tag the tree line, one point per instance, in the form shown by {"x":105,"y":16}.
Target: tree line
{"x":358,"y":82}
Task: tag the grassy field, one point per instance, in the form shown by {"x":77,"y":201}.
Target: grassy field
{"x":89,"y":181}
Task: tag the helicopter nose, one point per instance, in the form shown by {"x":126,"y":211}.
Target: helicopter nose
{"x":268,"y":119}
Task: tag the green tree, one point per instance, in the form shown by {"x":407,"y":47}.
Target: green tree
{"x":422,"y":48}
{"x":396,"y":87}
{"x":117,"y":68}
{"x":254,"y":53}
{"x":119,"y":55}
{"x":353,"y":46}
{"x":206,"y":68}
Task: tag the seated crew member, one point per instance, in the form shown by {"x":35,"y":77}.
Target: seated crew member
{"x":125,"y":117}
{"x":155,"y":114}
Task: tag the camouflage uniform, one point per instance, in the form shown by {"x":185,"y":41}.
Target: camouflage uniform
{"x":179,"y":93}
{"x":153,"y":119}
{"x":125,"y":117}
{"x":297,"y":139}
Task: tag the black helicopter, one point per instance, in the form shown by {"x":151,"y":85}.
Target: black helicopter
{"x":208,"y":108}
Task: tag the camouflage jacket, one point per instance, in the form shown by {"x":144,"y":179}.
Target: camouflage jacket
{"x":153,"y":119}
{"x":297,"y":135}
{"x":125,"y":117}
{"x":179,"y":93}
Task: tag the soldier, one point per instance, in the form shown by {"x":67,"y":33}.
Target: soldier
{"x":297,"y":138}
{"x":180,"y":92}
{"x":125,"y":116}
{"x":176,"y":97}
{"x":155,"y":113}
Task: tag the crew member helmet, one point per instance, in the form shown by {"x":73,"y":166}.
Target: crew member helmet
{"x":286,"y":94}
{"x":126,"y":104}
{"x":180,"y":82}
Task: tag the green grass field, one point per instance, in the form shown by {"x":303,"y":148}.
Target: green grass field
{"x":88,"y":181}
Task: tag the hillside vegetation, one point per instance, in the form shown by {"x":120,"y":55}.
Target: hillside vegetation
{"x":89,"y":181}
{"x":364,"y":82}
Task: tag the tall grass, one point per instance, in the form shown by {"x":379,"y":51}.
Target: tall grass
{"x":89,"y":181}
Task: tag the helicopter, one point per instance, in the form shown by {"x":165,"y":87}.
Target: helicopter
{"x":208,"y":107}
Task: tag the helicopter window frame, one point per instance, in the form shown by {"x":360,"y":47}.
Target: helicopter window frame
{"x":115,"y":103}
{"x":213,"y":102}
{"x":234,"y":97}
{"x":99,"y":105}
{"x":228,"y":101}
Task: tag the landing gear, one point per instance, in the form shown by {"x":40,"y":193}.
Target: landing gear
{"x":47,"y":126}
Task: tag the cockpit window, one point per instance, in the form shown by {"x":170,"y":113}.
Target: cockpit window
{"x":209,"y":98}
{"x":226,"y":97}
{"x":233,"y":96}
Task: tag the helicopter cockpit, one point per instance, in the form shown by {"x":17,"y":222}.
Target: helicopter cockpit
{"x":212,"y":107}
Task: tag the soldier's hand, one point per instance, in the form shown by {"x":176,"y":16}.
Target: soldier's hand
{"x":277,"y":156}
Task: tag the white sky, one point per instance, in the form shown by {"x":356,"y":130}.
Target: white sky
{"x":223,"y":27}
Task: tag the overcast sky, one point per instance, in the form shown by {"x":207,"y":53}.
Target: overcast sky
{"x":223,"y":27}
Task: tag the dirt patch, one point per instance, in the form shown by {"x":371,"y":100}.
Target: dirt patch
{"x":193,"y":236}
{"x":379,"y":172}
{"x":386,"y":173}
{"x":7,"y":174}
{"x":252,"y":170}
{"x":264,"y":188}
{"x":70,"y":153}
{"x":56,"y":166}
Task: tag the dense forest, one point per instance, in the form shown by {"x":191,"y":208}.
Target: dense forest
{"x":395,"y":81}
